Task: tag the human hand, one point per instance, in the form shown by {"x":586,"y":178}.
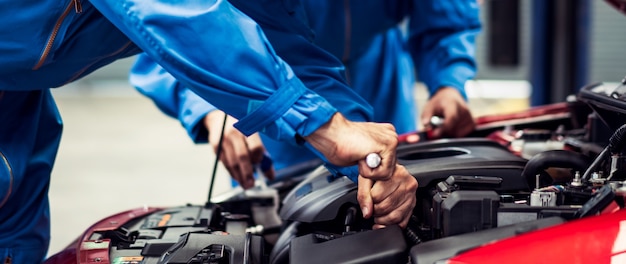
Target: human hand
{"x":390,"y":201}
{"x":346,"y":143}
{"x":448,"y":103}
{"x":239,"y":153}
{"x":386,"y":192}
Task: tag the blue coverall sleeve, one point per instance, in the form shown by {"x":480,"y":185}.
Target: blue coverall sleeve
{"x":442,"y":42}
{"x":223,"y":56}
{"x":171,"y":97}
{"x":175,"y":100}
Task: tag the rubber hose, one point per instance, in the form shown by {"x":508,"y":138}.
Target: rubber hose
{"x":549,"y":159}
{"x":617,"y":142}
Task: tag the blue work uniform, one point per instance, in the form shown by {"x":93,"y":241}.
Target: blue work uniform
{"x":379,"y":42}
{"x":208,"y":46}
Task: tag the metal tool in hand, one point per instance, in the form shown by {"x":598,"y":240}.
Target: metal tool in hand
{"x":373,"y":160}
{"x":435,"y":121}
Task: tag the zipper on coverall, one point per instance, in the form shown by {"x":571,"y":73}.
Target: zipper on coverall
{"x":78,"y":7}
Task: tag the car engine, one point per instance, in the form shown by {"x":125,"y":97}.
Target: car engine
{"x":516,"y":174}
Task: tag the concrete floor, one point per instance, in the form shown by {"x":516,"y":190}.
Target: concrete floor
{"x":119,"y":152}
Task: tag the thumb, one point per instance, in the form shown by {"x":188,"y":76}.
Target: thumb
{"x":364,"y":197}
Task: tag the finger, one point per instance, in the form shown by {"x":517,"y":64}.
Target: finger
{"x":388,"y":155}
{"x":364,"y":170}
{"x":468,"y":125}
{"x":363,"y":196}
{"x":395,"y":206}
{"x":400,"y":216}
{"x":242,"y":157}
{"x":463,"y":128}
{"x":452,"y":122}
{"x":382,"y":190}
{"x":232,"y":168}
{"x":213,"y":122}
{"x":231,"y":140}
{"x":427,"y":113}
{"x":380,"y":173}
{"x":377,"y":226}
{"x":464,"y":117}
{"x":388,"y":144}
{"x":255,"y":147}
{"x":233,"y":148}
{"x":257,"y":155}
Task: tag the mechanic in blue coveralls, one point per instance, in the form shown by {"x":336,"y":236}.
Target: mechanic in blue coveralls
{"x":379,"y":65}
{"x":210,"y":47}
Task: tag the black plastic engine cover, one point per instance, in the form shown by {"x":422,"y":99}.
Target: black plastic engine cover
{"x":385,"y":245}
{"x":431,"y":162}
{"x":319,"y":197}
{"x":203,"y":248}
{"x":467,"y":211}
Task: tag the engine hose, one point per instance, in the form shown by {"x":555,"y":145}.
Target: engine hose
{"x":349,"y":218}
{"x":552,"y":158}
{"x":616,"y":145}
{"x":410,"y":234}
{"x":617,"y":140}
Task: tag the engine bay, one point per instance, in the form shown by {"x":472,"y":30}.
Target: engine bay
{"x":515,"y":174}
